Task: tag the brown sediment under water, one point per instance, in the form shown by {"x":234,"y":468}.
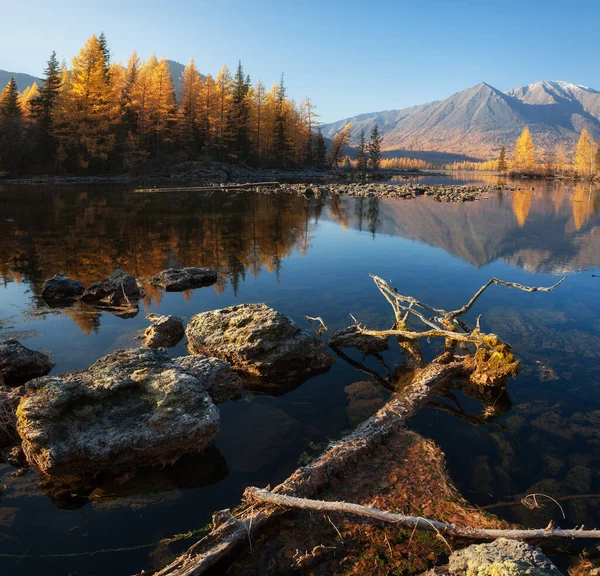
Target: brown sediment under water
{"x":309,"y":257}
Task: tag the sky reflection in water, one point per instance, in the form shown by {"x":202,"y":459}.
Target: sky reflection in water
{"x":309,"y":258}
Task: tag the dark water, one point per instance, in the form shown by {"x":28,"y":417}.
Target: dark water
{"x":309,"y":258}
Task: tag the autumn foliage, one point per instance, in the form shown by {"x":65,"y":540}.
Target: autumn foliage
{"x":97,"y":116}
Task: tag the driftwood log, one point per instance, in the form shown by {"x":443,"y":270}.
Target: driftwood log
{"x":248,"y":186}
{"x":415,"y":522}
{"x":491,"y":362}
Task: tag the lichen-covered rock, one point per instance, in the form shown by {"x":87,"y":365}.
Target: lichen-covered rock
{"x":165,"y":331}
{"x":259,"y":341}
{"x":18,"y":364}
{"x":352,"y":338}
{"x":502,"y":557}
{"x":9,"y":400}
{"x":179,"y":279}
{"x":220,"y":381}
{"x":119,"y":290}
{"x":61,"y":287}
{"x":131,"y":408}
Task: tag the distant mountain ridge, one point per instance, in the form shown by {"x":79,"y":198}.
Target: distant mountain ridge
{"x":22,"y":80}
{"x":25,"y":80}
{"x":478,"y":121}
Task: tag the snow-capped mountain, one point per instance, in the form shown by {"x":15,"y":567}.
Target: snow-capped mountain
{"x":478,"y":121}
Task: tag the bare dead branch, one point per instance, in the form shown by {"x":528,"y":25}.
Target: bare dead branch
{"x":414,"y":521}
{"x":462,"y":311}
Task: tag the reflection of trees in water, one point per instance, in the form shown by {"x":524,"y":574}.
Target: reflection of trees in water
{"x":86,"y":235}
{"x":521,"y":204}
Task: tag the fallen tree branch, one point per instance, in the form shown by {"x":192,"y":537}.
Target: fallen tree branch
{"x":413,"y":521}
{"x":247,"y":186}
{"x":307,"y":481}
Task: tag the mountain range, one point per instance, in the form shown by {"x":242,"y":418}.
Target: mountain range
{"x":476,"y":122}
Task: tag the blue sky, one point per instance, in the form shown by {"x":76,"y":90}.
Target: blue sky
{"x":350,"y":57}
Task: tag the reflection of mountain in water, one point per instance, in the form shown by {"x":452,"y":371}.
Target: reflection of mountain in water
{"x":553,"y":228}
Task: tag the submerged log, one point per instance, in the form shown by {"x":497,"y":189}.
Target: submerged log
{"x":492,"y":362}
{"x":248,"y":186}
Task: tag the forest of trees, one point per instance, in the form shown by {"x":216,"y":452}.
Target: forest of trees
{"x":583,"y":161}
{"x":98,"y":116}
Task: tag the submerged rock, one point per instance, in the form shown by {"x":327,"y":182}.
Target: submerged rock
{"x":502,"y":557}
{"x":219,"y":380}
{"x":61,"y":287}
{"x":119,"y":290}
{"x":18,"y":364}
{"x":259,"y":341}
{"x":131,"y":408}
{"x":165,"y":331}
{"x":179,"y":279}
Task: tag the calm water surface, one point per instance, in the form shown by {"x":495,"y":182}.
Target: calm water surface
{"x":308,"y":258}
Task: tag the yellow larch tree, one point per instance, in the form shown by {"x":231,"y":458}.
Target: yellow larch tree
{"x":521,"y":205}
{"x":27,"y":96}
{"x":190,"y":112}
{"x":161,"y":105}
{"x":92,"y":117}
{"x":585,"y":155}
{"x":524,"y":152}
{"x":223,"y":84}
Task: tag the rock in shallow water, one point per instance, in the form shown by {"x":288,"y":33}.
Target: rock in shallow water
{"x":131,"y":408}
{"x":18,"y":364}
{"x":259,"y":341}
{"x":61,"y":287}
{"x":119,"y":290}
{"x":179,"y":279}
{"x":219,"y":380}
{"x":165,"y":332}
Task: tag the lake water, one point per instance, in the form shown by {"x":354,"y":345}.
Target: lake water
{"x":309,"y":257}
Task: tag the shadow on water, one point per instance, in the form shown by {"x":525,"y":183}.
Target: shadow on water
{"x":310,"y":257}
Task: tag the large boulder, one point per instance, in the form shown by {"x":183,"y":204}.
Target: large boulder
{"x":179,"y":279}
{"x":61,"y":287}
{"x":502,"y":557}
{"x":165,"y":331}
{"x":219,"y":380}
{"x":119,"y":290}
{"x":18,"y":364}
{"x":131,"y":408}
{"x":259,"y":341}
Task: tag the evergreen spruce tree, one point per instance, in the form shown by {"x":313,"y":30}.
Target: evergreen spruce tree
{"x":11,"y":128}
{"x":105,"y":53}
{"x":240,"y":114}
{"x":502,"y":164}
{"x":374,"y":149}
{"x":361,"y":158}
{"x":280,"y":143}
{"x":320,"y":150}
{"x":43,"y":106}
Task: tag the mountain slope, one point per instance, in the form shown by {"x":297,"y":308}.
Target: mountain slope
{"x":22,"y":80}
{"x":477,"y":121}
